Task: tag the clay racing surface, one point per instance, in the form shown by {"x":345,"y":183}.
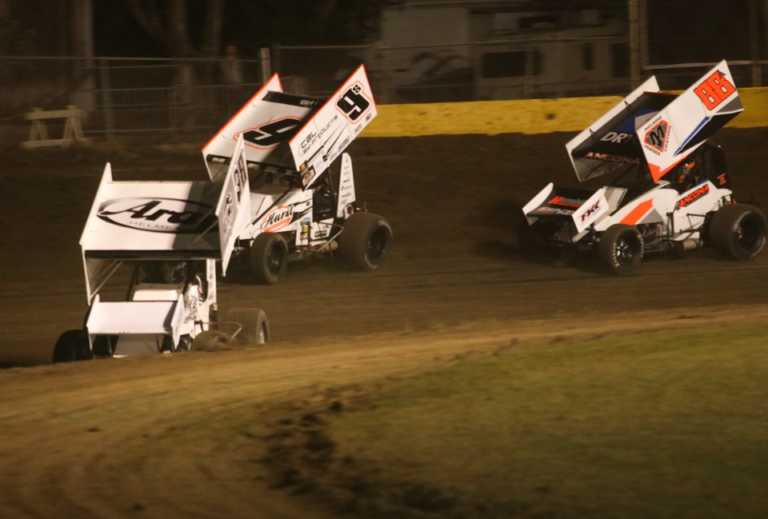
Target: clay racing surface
{"x":167,"y":435}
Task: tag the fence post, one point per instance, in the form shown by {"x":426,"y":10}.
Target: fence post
{"x":106,"y":99}
{"x":266,"y":63}
{"x":637,"y":40}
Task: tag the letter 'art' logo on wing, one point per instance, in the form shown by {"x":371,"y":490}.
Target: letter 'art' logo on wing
{"x":167,"y":215}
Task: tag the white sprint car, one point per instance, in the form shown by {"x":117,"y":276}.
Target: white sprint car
{"x":295,"y":207}
{"x":670,"y":189}
{"x":149,"y":253}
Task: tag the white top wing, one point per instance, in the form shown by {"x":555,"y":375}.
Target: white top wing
{"x":265,"y":122}
{"x":689,"y":120}
{"x":328,"y":132}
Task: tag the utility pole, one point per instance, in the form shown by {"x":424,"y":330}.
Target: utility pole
{"x":638,"y":40}
{"x":754,"y":41}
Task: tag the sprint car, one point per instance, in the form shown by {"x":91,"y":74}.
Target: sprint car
{"x":297,"y":206}
{"x":669,"y":190}
{"x":150,"y":253}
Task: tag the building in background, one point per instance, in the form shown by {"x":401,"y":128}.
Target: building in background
{"x":479,"y":49}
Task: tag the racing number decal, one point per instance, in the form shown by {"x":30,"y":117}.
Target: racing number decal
{"x":353,"y":103}
{"x":271,"y":133}
{"x":714,"y":90}
{"x":657,"y":136}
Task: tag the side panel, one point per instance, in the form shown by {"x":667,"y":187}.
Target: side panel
{"x":234,"y":206}
{"x":592,"y":209}
{"x":347,"y":194}
{"x":284,"y":213}
{"x":333,"y":127}
{"x":692,"y":207}
{"x":96,"y":271}
{"x":689,"y":120}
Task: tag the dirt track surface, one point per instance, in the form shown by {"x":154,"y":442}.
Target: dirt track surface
{"x":189,"y":435}
{"x":156,"y":435}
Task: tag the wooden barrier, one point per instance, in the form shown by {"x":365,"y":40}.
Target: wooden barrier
{"x":38,"y":131}
{"x":527,"y":116}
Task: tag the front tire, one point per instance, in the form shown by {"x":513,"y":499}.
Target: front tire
{"x":365,"y":241}
{"x":621,"y":249}
{"x":268,"y":258}
{"x":739,"y":231}
{"x":255,"y":326}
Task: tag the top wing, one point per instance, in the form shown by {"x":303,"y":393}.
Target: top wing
{"x":134,"y":217}
{"x":327,"y":132}
{"x":609,"y":143}
{"x":266,"y":122}
{"x":694,"y":116}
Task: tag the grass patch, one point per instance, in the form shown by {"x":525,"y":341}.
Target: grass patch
{"x":660,"y":424}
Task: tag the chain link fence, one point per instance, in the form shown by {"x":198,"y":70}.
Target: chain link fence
{"x":171,"y":97}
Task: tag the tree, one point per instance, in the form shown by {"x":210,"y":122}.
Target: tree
{"x":82,"y":48}
{"x":170,"y":27}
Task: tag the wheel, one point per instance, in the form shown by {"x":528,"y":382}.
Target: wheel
{"x":268,"y":258}
{"x":365,"y":241}
{"x":739,"y":231}
{"x":621,"y":249}
{"x":210,"y":340}
{"x":104,"y":345}
{"x":185,"y":343}
{"x":72,"y":346}
{"x":254,"y":323}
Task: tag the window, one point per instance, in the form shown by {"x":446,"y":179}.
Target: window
{"x":620,"y":60}
{"x":587,"y":57}
{"x":503,"y":64}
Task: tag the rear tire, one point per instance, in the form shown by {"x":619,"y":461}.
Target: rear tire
{"x":365,"y":241}
{"x":72,"y":346}
{"x":621,"y":249}
{"x":739,"y":231}
{"x":255,"y":326}
{"x":268,"y":258}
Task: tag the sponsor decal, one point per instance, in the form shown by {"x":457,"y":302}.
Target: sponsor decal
{"x":313,"y":137}
{"x":611,"y":158}
{"x":693,"y":196}
{"x":270,"y":134}
{"x":282,"y":216}
{"x":616,"y":137}
{"x":353,"y":103}
{"x":657,"y":137}
{"x":714,"y":90}
{"x":166,"y":215}
{"x":589,"y":212}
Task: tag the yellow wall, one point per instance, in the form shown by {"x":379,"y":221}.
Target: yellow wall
{"x":528,"y":116}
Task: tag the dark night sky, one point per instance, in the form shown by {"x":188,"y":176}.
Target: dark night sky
{"x":679,"y":30}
